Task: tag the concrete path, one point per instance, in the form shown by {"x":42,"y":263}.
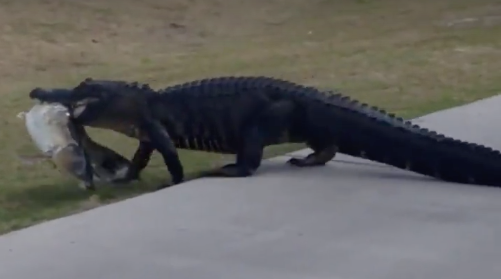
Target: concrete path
{"x":350,"y":220}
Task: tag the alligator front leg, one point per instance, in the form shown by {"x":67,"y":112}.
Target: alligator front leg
{"x":161,"y":141}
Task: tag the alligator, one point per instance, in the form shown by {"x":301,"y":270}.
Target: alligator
{"x":243,"y":114}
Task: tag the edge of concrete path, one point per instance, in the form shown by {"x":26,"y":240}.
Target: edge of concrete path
{"x":475,"y":105}
{"x":471,"y":108}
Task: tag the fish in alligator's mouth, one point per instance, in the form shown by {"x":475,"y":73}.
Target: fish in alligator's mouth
{"x":69,"y":148}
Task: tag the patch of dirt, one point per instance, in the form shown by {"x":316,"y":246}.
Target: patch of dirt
{"x":479,"y":21}
{"x":483,"y":16}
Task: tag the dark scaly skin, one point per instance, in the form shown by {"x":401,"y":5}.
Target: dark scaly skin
{"x":242,"y":115}
{"x":392,"y":119}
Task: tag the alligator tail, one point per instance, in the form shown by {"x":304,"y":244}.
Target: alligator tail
{"x":373,"y":111}
{"x":380,"y":137}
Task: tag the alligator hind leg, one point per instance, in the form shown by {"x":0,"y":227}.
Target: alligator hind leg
{"x":319,"y":157}
{"x":267,"y":127}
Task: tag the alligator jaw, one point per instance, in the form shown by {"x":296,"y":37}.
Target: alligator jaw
{"x":90,"y":110}
{"x":77,"y":104}
{"x":66,"y":97}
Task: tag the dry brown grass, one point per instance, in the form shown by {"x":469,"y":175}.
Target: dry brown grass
{"x":411,"y":57}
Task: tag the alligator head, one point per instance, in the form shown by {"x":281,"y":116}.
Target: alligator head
{"x":107,"y":104}
{"x":123,"y":107}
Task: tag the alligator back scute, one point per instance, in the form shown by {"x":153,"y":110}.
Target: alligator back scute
{"x":390,"y":117}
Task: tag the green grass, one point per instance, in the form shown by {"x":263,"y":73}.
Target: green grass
{"x":410,"y":57}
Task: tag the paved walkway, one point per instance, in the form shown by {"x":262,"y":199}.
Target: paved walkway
{"x":352,"y":220}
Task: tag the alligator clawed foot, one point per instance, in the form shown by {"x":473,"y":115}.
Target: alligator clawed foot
{"x":317,"y":158}
{"x":309,"y":161}
{"x":297,"y":162}
{"x":230,"y":170}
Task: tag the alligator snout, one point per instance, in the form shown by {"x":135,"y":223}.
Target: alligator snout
{"x":58,"y":95}
{"x":37,"y":93}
